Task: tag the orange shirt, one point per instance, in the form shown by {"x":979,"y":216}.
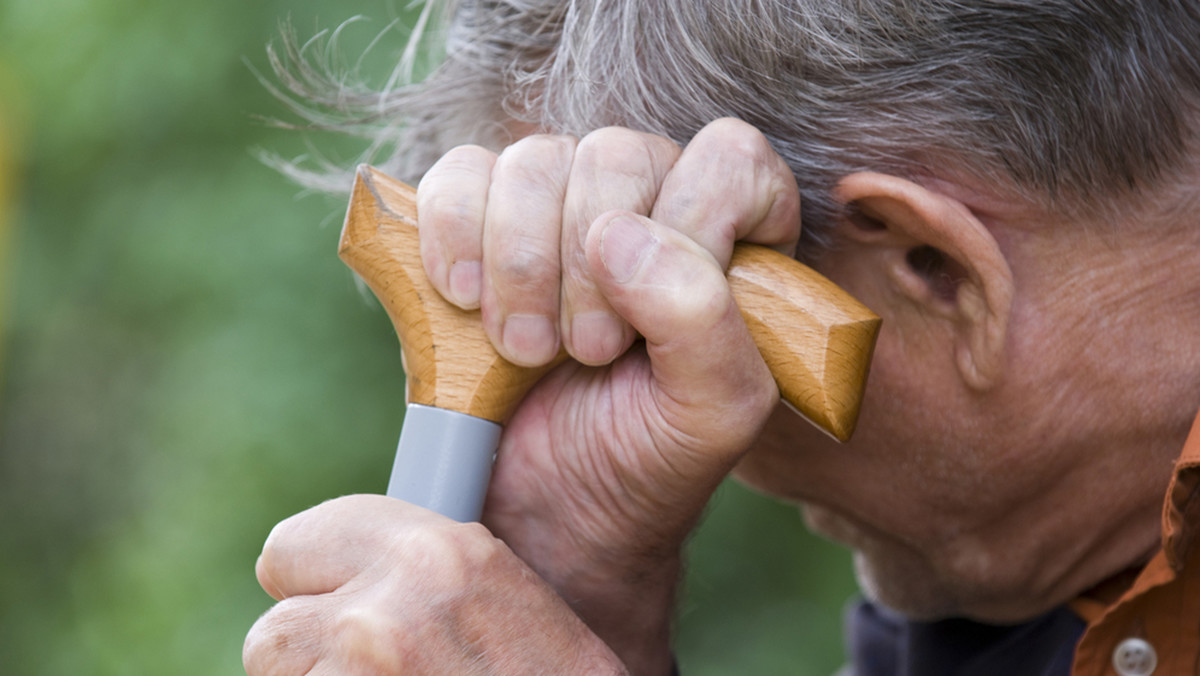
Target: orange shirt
{"x":1154,"y":627}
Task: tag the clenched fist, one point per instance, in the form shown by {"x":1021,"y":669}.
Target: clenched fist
{"x":371,"y":585}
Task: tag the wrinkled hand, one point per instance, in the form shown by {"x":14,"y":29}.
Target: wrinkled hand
{"x":608,"y":462}
{"x":604,"y":470}
{"x":374,"y":586}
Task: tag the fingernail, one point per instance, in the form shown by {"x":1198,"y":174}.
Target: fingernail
{"x":624,"y":246}
{"x":466,"y":282}
{"x":530,"y":339}
{"x":596,"y":336}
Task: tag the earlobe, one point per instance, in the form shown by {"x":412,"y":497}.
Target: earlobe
{"x":940,"y":259}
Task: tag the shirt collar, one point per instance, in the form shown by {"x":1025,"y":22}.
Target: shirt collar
{"x":1181,"y":511}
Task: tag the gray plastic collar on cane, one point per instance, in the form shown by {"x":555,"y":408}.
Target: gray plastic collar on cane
{"x":444,"y":461}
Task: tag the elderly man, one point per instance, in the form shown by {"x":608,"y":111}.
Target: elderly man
{"x":1014,"y":187}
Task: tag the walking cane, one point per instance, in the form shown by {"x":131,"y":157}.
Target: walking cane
{"x":816,"y":339}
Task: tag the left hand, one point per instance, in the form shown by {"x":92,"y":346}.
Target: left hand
{"x":371,"y":585}
{"x":603,"y":470}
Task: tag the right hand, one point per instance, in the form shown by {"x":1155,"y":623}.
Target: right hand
{"x":605,"y":468}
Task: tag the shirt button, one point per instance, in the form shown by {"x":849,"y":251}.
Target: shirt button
{"x":1134,"y":657}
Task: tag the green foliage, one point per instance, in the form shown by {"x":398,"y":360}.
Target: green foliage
{"x":187,"y":362}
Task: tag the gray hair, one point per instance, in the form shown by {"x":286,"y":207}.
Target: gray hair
{"x":1073,"y":104}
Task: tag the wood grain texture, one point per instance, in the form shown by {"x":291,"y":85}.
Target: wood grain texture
{"x":816,"y":339}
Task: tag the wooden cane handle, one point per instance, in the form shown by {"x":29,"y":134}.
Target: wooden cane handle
{"x":816,"y":339}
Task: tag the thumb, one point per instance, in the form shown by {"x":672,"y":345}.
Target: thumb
{"x":711,"y":388}
{"x":324,"y":547}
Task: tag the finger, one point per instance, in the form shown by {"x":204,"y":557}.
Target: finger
{"x":320,"y":549}
{"x":756,"y":201}
{"x":451,"y":202}
{"x":285,"y":640}
{"x":264,"y":579}
{"x":521,"y":266}
{"x":613,"y":169}
{"x":367,"y":636}
{"x":710,"y":385}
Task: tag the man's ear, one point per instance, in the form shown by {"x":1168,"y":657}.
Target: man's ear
{"x":938,"y":257}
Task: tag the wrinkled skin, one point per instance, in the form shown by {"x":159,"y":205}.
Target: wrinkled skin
{"x":342,"y":570}
{"x":604,"y":469}
{"x":992,"y":475}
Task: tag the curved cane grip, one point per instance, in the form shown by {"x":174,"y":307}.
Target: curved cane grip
{"x":816,"y":339}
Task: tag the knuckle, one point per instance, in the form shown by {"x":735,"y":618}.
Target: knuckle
{"x":453,"y":220}
{"x":465,"y":158}
{"x":761,"y":198}
{"x":621,"y":151}
{"x":526,"y":263}
{"x":705,"y":304}
{"x":738,"y":140}
{"x":741,"y":148}
{"x":452,"y":194}
{"x":539,"y":160}
{"x":279,"y":641}
{"x":698,"y":298}
{"x":293,"y":532}
{"x":456,"y":551}
{"x":548,"y":146}
{"x":456,"y":211}
{"x":371,"y":639}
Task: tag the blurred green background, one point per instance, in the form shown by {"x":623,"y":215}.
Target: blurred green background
{"x":184,"y":361}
